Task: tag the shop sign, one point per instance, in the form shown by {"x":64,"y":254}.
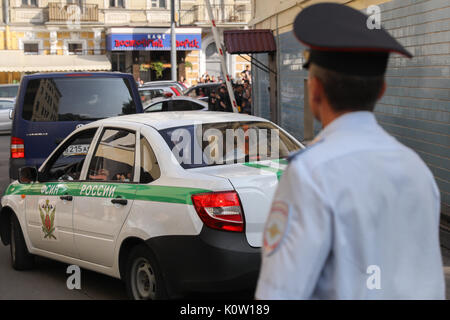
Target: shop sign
{"x":153,"y":41}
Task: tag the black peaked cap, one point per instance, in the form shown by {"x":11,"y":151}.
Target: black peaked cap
{"x":340,"y":40}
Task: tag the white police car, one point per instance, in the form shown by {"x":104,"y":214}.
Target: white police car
{"x":132,"y":197}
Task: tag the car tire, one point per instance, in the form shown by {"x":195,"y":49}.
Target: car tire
{"x":143,"y":277}
{"x":21,"y":259}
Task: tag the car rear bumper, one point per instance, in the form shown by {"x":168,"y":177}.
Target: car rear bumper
{"x":212,"y":262}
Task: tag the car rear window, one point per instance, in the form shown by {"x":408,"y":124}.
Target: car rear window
{"x":201,"y":91}
{"x":8,"y":91}
{"x":149,"y":94}
{"x":77,"y":99}
{"x":205,"y":145}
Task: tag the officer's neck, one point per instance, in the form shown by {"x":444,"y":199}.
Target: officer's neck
{"x":328,"y":115}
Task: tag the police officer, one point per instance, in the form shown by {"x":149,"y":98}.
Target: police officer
{"x":356,"y":214}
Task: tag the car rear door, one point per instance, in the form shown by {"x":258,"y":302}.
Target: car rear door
{"x":106,"y":195}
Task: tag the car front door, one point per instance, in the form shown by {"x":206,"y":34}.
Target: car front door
{"x":105,"y":196}
{"x":49,"y":204}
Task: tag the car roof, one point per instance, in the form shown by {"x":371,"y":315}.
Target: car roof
{"x":170,"y":119}
{"x":9,"y":85}
{"x":77,"y":74}
{"x":153,"y":88}
{"x":209,"y":84}
{"x":159,"y":99}
{"x":159,"y":81}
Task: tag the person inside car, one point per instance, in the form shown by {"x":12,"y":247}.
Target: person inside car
{"x":102,"y":174}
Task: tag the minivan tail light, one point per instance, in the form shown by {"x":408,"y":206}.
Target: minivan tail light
{"x":17,"y":148}
{"x":220,"y":210}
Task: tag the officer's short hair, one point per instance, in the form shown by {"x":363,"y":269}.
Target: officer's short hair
{"x":348,"y":92}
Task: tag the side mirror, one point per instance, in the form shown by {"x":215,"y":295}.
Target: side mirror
{"x":11,"y":114}
{"x":28,"y":175}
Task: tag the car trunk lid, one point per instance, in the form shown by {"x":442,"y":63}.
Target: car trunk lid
{"x":255,"y":183}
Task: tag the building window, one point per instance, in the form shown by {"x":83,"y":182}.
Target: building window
{"x":159,"y":4}
{"x":75,"y":48}
{"x":117,"y":3}
{"x":29,"y":3}
{"x":31,"y":48}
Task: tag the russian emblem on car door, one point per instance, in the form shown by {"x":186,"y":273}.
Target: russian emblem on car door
{"x":47,"y":212}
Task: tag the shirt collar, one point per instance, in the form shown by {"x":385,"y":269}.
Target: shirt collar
{"x":351,"y":121}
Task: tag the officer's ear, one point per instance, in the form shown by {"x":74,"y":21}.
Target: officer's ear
{"x":316,"y":90}
{"x":383,"y":90}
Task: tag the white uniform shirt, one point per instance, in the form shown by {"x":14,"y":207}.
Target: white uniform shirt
{"x":355,"y":216}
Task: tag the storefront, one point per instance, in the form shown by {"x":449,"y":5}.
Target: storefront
{"x":145,"y":52}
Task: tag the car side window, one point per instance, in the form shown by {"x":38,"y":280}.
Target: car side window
{"x":196,"y":106}
{"x":67,"y":162}
{"x":155,"y":108}
{"x":149,"y":170}
{"x":114,"y":157}
{"x":158,"y":93}
{"x":180,"y":105}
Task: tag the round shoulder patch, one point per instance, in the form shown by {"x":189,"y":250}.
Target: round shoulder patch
{"x":276,"y":226}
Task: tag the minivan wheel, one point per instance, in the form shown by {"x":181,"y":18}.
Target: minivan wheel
{"x":143,"y":277}
{"x":21,"y":259}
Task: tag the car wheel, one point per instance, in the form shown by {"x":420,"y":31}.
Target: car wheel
{"x":21,"y":259}
{"x":143,"y":277}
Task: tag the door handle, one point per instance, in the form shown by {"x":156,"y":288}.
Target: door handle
{"x":120,"y":201}
{"x":66,"y":197}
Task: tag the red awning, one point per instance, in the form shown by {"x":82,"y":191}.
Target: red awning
{"x":249,"y":41}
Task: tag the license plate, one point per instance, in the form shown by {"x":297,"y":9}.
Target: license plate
{"x":76,"y":150}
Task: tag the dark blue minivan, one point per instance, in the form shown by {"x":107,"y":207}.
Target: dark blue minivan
{"x":50,"y":106}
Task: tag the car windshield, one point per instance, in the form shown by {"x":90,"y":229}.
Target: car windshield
{"x":9,"y":91}
{"x":77,"y":98}
{"x":213,"y":144}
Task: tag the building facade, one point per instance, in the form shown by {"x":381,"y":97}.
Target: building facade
{"x":416,"y":106}
{"x":90,"y":30}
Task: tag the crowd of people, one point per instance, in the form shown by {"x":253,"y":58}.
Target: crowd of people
{"x":218,"y":98}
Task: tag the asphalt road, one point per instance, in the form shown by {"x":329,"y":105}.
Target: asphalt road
{"x":48,"y":279}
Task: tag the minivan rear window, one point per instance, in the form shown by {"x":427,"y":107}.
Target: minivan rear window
{"x":77,"y":99}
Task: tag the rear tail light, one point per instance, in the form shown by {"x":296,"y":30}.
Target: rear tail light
{"x":17,"y":148}
{"x":220,"y":210}
{"x":177,"y":93}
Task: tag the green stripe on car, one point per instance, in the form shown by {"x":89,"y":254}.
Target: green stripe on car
{"x":278,"y":172}
{"x":168,"y":194}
